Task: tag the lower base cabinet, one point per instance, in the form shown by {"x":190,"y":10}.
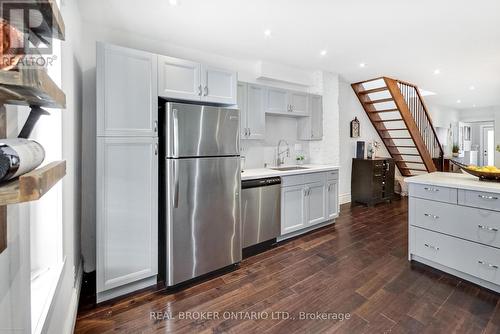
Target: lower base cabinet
{"x":308,"y":200}
{"x":127,"y":212}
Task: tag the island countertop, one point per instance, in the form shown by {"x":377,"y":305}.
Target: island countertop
{"x":257,"y":173}
{"x":455,"y":180}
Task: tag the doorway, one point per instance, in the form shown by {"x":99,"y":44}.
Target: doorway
{"x":488,"y":147}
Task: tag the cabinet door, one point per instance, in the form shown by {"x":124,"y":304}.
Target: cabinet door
{"x":315,"y":203}
{"x":316,"y":111}
{"x":242,"y":105}
{"x":311,"y":128}
{"x":332,"y":198}
{"x":299,"y":103}
{"x":127,"y":100}
{"x":276,"y":101}
{"x":219,"y":85}
{"x":292,"y":209}
{"x":256,"y":114}
{"x":179,"y":79}
{"x":127,"y":210}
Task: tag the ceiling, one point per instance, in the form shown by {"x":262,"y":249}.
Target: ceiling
{"x":403,"y":39}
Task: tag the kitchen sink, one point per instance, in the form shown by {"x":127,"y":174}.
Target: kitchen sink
{"x":284,"y":169}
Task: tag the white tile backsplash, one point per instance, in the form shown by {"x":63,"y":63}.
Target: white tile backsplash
{"x":257,"y":153}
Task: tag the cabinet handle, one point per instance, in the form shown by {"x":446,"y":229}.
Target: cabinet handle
{"x":156,"y":149}
{"x":431,"y":247}
{"x":155,"y":126}
{"x":431,"y":216}
{"x":249,"y":131}
{"x":493,"y":266}
{"x":200,"y":90}
{"x":488,"y":197}
{"x":206,"y":90}
{"x":492,"y":229}
{"x":431,"y":189}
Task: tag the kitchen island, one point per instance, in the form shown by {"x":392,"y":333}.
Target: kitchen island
{"x":454,"y":224}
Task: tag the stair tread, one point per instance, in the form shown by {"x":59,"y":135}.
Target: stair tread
{"x":396,"y":137}
{"x":379,"y":101}
{"x":383,"y":110}
{"x":406,"y":154}
{"x":388,"y":120}
{"x":410,"y":162}
{"x":402,"y":146}
{"x":374,"y":90}
{"x":398,"y":129}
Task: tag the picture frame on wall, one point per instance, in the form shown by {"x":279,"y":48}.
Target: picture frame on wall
{"x":355,"y":128}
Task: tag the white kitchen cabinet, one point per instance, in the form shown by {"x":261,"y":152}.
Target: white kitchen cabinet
{"x":332,"y":199}
{"x":299,"y":103}
{"x":293,"y":214}
{"x":315,"y":203}
{"x":179,"y":79}
{"x":219,"y":85}
{"x":242,"y":99}
{"x":127,"y":212}
{"x":311,"y":128}
{"x":308,"y":200}
{"x":127,"y":101}
{"x":251,"y":104}
{"x":182,"y":79}
{"x":276,"y":101}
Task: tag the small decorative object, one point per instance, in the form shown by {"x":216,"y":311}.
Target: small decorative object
{"x":355,"y":128}
{"x":360,"y":150}
{"x":455,"y":150}
{"x":376,"y":147}
{"x":498,"y":148}
{"x":369,"y":153}
{"x":300,"y":159}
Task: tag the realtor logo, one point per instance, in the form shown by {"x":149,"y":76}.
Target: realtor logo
{"x":26,"y":27}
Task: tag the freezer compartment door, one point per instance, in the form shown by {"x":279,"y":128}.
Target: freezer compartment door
{"x":203,"y":216}
{"x":200,"y":131}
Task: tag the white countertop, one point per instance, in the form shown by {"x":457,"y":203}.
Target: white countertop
{"x":455,"y":180}
{"x":257,"y":173}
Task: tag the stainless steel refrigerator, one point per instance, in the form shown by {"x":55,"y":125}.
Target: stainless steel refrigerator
{"x":203,"y":181}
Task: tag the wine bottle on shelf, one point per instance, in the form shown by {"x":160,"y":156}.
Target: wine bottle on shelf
{"x":19,"y":156}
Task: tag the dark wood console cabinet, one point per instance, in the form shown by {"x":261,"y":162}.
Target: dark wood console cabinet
{"x":372,"y":180}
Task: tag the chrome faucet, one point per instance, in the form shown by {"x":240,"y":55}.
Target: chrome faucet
{"x":281,"y":160}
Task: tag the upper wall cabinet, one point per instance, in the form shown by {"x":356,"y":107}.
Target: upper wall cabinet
{"x":179,"y":78}
{"x":186,"y":80}
{"x":127,"y":100}
{"x":282,"y":102}
{"x":311,"y":128}
{"x":251,"y":104}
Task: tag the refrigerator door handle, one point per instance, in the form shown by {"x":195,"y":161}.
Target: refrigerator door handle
{"x":175,"y":140}
{"x":176,"y":183}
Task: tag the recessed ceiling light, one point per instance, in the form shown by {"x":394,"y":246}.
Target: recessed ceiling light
{"x":362,"y":65}
{"x":473,"y":106}
{"x":472,"y":87}
{"x":459,"y":101}
{"x":323,"y":52}
{"x":267,"y":33}
{"x":437,"y":71}
{"x":173,"y":2}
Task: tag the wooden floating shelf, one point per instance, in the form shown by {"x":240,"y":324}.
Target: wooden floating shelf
{"x":33,"y":185}
{"x":30,"y":86}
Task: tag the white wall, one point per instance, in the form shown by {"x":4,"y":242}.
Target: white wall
{"x":448,"y":118}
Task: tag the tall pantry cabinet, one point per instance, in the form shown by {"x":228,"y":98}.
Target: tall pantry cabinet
{"x":127,"y":170}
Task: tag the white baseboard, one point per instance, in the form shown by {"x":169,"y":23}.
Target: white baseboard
{"x":69,"y":324}
{"x":345,"y":198}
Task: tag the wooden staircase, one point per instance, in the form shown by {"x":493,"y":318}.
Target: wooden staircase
{"x":398,"y":113}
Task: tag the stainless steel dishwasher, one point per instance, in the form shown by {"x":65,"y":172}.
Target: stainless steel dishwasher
{"x":260,"y":210}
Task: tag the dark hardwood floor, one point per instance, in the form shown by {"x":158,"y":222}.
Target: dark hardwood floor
{"x":358,"y":267}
